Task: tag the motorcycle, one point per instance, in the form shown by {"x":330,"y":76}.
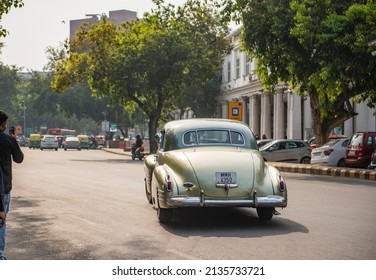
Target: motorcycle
{"x":137,"y":152}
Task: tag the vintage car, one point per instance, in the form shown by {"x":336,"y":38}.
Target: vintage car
{"x":211,"y":163}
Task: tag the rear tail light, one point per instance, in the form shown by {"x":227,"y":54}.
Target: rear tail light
{"x":168,"y":183}
{"x":281,"y":184}
{"x":328,"y":152}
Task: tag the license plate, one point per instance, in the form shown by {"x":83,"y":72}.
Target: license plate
{"x":351,"y":152}
{"x":225,"y":177}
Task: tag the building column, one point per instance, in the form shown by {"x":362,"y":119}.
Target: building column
{"x":225,"y":110}
{"x":279,"y":115}
{"x":245,"y":109}
{"x":307,"y":122}
{"x":265,"y":115}
{"x":294,"y":119}
{"x":254,"y":114}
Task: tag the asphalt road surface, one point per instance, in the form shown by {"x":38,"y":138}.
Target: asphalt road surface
{"x":84,"y":205}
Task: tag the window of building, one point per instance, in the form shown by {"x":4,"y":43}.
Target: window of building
{"x":247,"y":65}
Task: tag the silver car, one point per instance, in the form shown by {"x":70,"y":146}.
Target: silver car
{"x":287,"y":150}
{"x":72,"y":142}
{"x":49,"y":142}
{"x":332,"y":153}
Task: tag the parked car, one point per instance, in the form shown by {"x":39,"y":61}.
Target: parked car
{"x":313,"y":144}
{"x":287,"y":150}
{"x":360,"y":149}
{"x":49,"y":142}
{"x":22,"y":140}
{"x":372,"y":165}
{"x":332,"y":153}
{"x":211,"y":163}
{"x":71,"y":142}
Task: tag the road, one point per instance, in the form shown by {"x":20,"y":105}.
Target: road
{"x":73,"y":205}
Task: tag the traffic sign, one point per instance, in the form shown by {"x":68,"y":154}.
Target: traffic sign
{"x":235,"y":110}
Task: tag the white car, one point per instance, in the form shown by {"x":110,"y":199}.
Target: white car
{"x":332,"y":153}
{"x":49,"y":142}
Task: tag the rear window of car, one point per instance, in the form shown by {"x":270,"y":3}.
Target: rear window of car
{"x":357,"y":139}
{"x":49,"y":138}
{"x":213,"y":137}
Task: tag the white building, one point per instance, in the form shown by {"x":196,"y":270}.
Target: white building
{"x":280,"y":115}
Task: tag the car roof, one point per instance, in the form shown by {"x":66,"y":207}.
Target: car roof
{"x":205,"y":123}
{"x":177,"y":128}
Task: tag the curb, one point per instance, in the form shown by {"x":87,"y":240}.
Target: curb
{"x":365,"y":174}
{"x":310,"y":169}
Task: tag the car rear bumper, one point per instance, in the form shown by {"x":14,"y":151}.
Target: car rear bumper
{"x":202,"y":201}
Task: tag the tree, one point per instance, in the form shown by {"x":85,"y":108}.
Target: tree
{"x":319,"y":47}
{"x":148,"y":62}
{"x":5,"y":6}
{"x":9,"y":90}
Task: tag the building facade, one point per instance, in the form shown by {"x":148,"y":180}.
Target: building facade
{"x":283,"y":114}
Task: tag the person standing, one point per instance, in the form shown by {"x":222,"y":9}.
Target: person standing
{"x":9,"y":151}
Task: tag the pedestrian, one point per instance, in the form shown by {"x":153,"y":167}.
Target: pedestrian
{"x":9,"y":151}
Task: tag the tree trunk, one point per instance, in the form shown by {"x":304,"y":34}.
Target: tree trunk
{"x":153,"y":126}
{"x":323,"y":126}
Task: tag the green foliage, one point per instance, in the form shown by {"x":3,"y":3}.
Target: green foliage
{"x":9,"y":90}
{"x":5,"y":6}
{"x":315,"y":46}
{"x":150,"y":61}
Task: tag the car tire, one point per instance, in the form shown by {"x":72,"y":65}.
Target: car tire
{"x":341,"y":163}
{"x":306,"y":160}
{"x":265,"y":213}
{"x":164,"y":215}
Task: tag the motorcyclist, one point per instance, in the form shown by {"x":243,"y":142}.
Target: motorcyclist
{"x":137,"y":145}
{"x":93,"y":143}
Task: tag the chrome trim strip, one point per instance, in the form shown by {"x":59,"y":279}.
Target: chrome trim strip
{"x":187,"y":201}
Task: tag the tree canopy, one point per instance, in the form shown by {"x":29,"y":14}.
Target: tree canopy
{"x":319,"y":47}
{"x":151,"y":61}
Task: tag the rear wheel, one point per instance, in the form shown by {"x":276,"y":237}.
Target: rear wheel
{"x":306,"y":160}
{"x":341,"y":163}
{"x":164,"y":215}
{"x":265,"y":213}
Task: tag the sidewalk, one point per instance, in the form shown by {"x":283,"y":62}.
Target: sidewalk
{"x":300,"y":168}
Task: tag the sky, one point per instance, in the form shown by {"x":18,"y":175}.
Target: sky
{"x":45,"y":23}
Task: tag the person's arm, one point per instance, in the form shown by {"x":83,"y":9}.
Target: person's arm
{"x":17,"y":154}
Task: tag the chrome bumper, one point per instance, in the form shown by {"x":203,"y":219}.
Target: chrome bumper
{"x":202,"y":201}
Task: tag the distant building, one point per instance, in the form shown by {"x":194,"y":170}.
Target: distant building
{"x":280,"y":115}
{"x":117,"y":17}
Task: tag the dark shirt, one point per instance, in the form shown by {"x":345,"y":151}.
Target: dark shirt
{"x":139,"y":143}
{"x":9,"y":150}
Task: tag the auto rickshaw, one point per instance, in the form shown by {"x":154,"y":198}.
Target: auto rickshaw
{"x":34,"y":141}
{"x":84,"y":141}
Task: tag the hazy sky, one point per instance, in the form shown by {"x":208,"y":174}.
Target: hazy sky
{"x":43,"y":23}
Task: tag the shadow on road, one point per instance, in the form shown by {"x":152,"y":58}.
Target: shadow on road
{"x":29,"y":237}
{"x":229,"y":222}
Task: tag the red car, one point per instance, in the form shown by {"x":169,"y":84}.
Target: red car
{"x":360,"y":148}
